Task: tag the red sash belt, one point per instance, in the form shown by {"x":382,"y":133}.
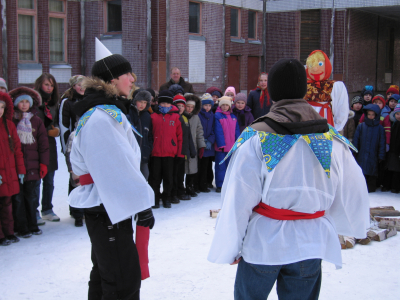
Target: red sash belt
{"x":328,"y":108}
{"x":85,"y":179}
{"x":284,"y":214}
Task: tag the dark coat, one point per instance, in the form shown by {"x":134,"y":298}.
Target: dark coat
{"x":393,"y":162}
{"x":253,"y":101}
{"x":11,"y":162}
{"x":187,"y":87}
{"x":245,"y":117}
{"x":141,"y":120}
{"x":188,"y":148}
{"x":207,"y":121}
{"x":369,"y":139}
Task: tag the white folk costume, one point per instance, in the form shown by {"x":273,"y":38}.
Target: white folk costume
{"x":329,"y":98}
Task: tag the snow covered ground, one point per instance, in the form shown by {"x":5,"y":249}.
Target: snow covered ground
{"x":56,"y":265}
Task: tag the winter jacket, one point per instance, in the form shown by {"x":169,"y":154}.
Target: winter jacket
{"x":253,"y":101}
{"x":226,"y":130}
{"x":196,"y":130}
{"x":393,"y":157}
{"x":67,"y":116}
{"x":369,"y":139}
{"x":141,"y":120}
{"x":357,"y":117}
{"x":386,"y":111}
{"x":187,"y":87}
{"x":11,"y":163}
{"x":167,"y":133}
{"x":188,"y":148}
{"x":245,"y":117}
{"x":207,"y":121}
{"x":386,"y":124}
{"x":349,"y":129}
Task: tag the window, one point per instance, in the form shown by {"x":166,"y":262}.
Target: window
{"x":27,"y":30}
{"x":194,"y":17}
{"x":309,"y":33}
{"x":235,"y":22}
{"x":114,"y":16}
{"x":58,"y":32}
{"x":252,"y":20}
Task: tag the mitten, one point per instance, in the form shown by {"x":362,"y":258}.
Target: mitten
{"x":21,"y":178}
{"x":208,"y":145}
{"x":43,"y":171}
{"x":387,"y":147}
{"x":145,"y":218}
{"x":201,"y":153}
{"x":1,"y":182}
{"x":53,"y":132}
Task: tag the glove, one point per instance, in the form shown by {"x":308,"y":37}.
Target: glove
{"x":1,"y":182}
{"x":201,"y":152}
{"x":209,"y":145}
{"x":43,"y":171}
{"x":53,"y":132}
{"x":387,"y":147}
{"x":145,"y":218}
{"x":21,"y":178}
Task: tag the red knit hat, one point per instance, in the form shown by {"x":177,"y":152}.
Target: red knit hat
{"x":394,"y":89}
{"x":380,"y":98}
{"x":179,"y":99}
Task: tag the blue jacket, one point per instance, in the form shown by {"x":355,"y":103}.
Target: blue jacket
{"x":141,"y":120}
{"x":385,"y":111}
{"x":369,"y":139}
{"x":226,"y":130}
{"x":207,"y":121}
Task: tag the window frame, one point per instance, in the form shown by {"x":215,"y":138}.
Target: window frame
{"x":29,"y":12}
{"x":255,"y":38}
{"x":105,"y":18}
{"x":239,"y":23}
{"x":60,"y":15}
{"x":200,"y":19}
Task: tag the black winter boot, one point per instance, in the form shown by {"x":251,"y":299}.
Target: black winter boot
{"x":190,"y":191}
{"x":175,"y":200}
{"x":184,"y":197}
{"x":167,"y":202}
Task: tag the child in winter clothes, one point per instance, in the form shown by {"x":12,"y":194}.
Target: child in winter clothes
{"x":391,"y":103}
{"x":230,"y":92}
{"x":393,"y":89}
{"x":216,"y":93}
{"x":193,"y":106}
{"x":367,"y":94}
{"x":35,"y":149}
{"x":140,"y":118}
{"x":356,"y":106}
{"x":167,"y":135}
{"x":188,"y":150}
{"x":207,"y":121}
{"x":242,"y":111}
{"x":369,"y":139}
{"x":393,"y":161}
{"x":226,"y":130}
{"x":12,"y":169}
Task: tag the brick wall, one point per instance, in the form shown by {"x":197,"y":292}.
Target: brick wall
{"x":12,"y":44}
{"x":74,"y":36}
{"x":158,"y":43}
{"x":94,"y":27}
{"x":43,"y":33}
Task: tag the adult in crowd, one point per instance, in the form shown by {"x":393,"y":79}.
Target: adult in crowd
{"x":259,"y":100}
{"x":47,"y":87}
{"x":3,"y":85}
{"x":177,"y":79}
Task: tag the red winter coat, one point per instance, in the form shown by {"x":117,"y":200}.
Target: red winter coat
{"x":11,"y":163}
{"x":167,"y":133}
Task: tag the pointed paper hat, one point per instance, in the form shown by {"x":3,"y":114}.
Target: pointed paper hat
{"x":101,"y":50}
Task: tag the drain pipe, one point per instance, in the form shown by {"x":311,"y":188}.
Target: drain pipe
{"x":83,"y":42}
{"x":223,"y":47}
{"x":4,"y":39}
{"x":264,"y":32}
{"x":167,"y":42}
{"x":332,"y":46}
{"x":149,"y":56}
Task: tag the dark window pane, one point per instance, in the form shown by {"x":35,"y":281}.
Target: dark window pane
{"x":26,"y":4}
{"x":56,"y":5}
{"x":234,"y":22}
{"x":309,"y":33}
{"x":252,"y":24}
{"x":114,"y":15}
{"x":194,"y":17}
{"x":26,"y":29}
{"x":56,"y":39}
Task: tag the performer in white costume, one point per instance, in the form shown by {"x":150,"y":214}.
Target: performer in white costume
{"x":106,"y":156}
{"x":286,"y":196}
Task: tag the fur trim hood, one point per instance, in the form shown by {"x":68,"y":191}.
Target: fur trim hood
{"x":197,"y":100}
{"x":37,"y":99}
{"x":351,"y":114}
{"x":9,"y":109}
{"x":98,"y":85}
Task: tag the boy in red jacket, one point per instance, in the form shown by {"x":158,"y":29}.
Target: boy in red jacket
{"x":167,"y":134}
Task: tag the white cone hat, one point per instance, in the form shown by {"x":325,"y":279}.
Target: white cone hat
{"x":101,"y":50}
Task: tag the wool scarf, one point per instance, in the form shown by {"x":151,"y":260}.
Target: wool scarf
{"x":46,"y":109}
{"x":264,"y":93}
{"x":24,"y":129}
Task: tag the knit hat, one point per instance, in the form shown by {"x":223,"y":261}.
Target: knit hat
{"x":214,"y":91}
{"x":395,"y":110}
{"x":394,"y":97}
{"x":394,"y":89}
{"x":206,"y":99}
{"x":357,"y":99}
{"x":3,"y":84}
{"x":230,"y":89}
{"x":379,"y":97}
{"x":23,"y":97}
{"x":165,"y":96}
{"x":111,"y":67}
{"x":179,"y":99}
{"x":368,"y":90}
{"x":241,"y":97}
{"x":287,"y":79}
{"x":142,"y":95}
{"x":225,"y":100}
{"x":75,"y":80}
{"x":176,"y":89}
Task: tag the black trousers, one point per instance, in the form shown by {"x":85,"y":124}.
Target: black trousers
{"x":191,"y":180}
{"x":210,"y":173}
{"x":179,"y":177}
{"x":162,"y":169}
{"x":24,"y":207}
{"x":116,"y":270}
{"x":371,"y":183}
{"x":203,"y":166}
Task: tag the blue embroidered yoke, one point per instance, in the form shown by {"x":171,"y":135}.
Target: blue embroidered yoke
{"x":275,"y":146}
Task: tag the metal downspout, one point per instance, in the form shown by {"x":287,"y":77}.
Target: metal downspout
{"x":167,"y":41}
{"x":264,"y":32}
{"x":149,"y":55}
{"x":223,"y":47}
{"x":83,"y":42}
